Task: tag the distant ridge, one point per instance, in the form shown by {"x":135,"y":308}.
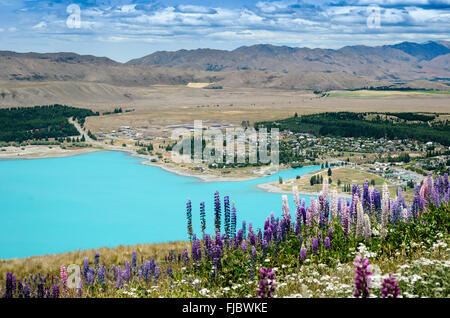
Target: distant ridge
{"x":63,"y":57}
{"x":399,"y":61}
{"x":259,"y":66}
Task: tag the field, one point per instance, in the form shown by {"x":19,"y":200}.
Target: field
{"x":383,"y":94}
{"x":161,"y":106}
{"x":346,"y":175}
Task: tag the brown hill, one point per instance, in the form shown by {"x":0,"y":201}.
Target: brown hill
{"x":399,"y":61}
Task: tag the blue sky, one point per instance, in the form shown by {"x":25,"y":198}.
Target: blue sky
{"x":126,"y":29}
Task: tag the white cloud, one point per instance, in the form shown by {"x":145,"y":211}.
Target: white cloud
{"x":41,"y":25}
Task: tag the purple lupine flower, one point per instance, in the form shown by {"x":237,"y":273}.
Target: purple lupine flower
{"x":196,"y":250}
{"x":156,"y":274}
{"x":20,"y":289}
{"x":185,"y":257}
{"x":90,"y":277}
{"x":169,"y":272}
{"x":302,"y":254}
{"x":327,"y":243}
{"x":390,"y":288}
{"x":203,"y":217}
{"x":189,"y":219}
{"x":244,"y":246}
{"x":268,"y":234}
{"x":26,"y":291}
{"x":264,"y":244}
{"x":267,"y":223}
{"x":233,"y":219}
{"x":253,"y":253}
{"x":85,"y":267}
{"x":240,"y":236}
{"x":119,"y":278}
{"x":266,"y":287}
{"x":244,"y":229}
{"x":147,"y":271}
{"x":315,"y":243}
{"x":96,"y":259}
{"x":101,"y":274}
{"x":227,"y":219}
{"x":134,"y":261}
{"x":376,"y":199}
{"x":217,"y":211}
{"x":436,"y":199}
{"x":446,"y":183}
{"x":55,"y":291}
{"x":363,"y":282}
{"x":127,"y":271}
{"x":79,"y":288}
{"x":366,"y":200}
{"x":440,"y":185}
{"x":40,"y":290}
{"x":10,"y":285}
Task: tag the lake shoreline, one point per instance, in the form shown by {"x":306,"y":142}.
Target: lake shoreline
{"x":44,"y":152}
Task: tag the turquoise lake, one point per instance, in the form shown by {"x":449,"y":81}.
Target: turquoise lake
{"x":108,"y":199}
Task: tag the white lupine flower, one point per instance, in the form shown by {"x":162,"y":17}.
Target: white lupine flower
{"x":359,"y":219}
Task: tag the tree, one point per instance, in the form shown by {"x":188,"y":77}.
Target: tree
{"x":280,"y":180}
{"x":329,"y":172}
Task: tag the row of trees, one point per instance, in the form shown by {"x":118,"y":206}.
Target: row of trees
{"x":348,"y":124}
{"x":40,"y":122}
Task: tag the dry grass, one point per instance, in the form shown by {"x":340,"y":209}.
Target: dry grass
{"x":117,"y":255}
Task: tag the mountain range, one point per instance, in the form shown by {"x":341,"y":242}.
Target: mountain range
{"x":261,"y":65}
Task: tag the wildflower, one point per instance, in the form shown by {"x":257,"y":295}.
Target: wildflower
{"x":55,"y":290}
{"x":196,"y":249}
{"x":296,"y":196}
{"x":185,"y":257}
{"x":203,"y":217}
{"x":385,"y":214}
{"x":85,"y":267}
{"x":266,"y":287}
{"x":244,"y":246}
{"x":363,"y":282}
{"x":359,"y":219}
{"x":233,"y":219}
{"x":217,"y":211}
{"x":169,"y":272}
{"x":345,"y":220}
{"x":63,"y":272}
{"x":389,"y":288}
{"x":327,"y":243}
{"x":302,"y":254}
{"x":227,"y":220}
{"x":10,"y":285}
{"x":189,"y":218}
{"x":101,"y":274}
{"x":334,"y":203}
{"x":96,"y":259}
{"x":127,"y":271}
{"x":315,"y":243}
{"x":367,"y":228}
{"x":134,"y":261}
